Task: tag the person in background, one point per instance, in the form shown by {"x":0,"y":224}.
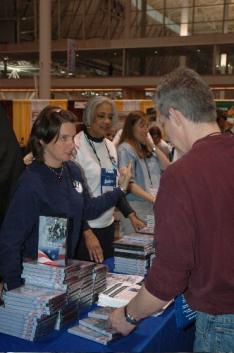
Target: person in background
{"x":11,"y":164}
{"x":98,"y":158}
{"x":158,"y":141}
{"x":194,"y":223}
{"x":51,"y":185}
{"x":110,"y":134}
{"x":224,"y":124}
{"x":147,"y":161}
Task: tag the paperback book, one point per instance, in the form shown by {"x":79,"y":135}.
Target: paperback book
{"x":52,"y":239}
{"x":90,"y":334}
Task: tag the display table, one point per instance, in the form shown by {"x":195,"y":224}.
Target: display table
{"x":152,"y":334}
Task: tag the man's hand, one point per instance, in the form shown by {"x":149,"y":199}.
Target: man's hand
{"x":119,"y":323}
{"x":137,"y":223}
{"x":93,"y":245}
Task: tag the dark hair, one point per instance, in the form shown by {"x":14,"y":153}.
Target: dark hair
{"x":154,"y":130}
{"x":128,"y":135}
{"x":184,"y":90}
{"x":220,"y":115}
{"x":46,"y":127}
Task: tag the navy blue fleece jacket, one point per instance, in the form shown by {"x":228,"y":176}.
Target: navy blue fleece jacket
{"x":39,"y":192}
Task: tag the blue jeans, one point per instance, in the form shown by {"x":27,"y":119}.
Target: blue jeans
{"x":214,"y":333}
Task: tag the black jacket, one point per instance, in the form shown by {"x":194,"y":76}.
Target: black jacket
{"x":11,"y":163}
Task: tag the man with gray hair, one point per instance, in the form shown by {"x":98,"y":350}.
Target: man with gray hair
{"x":195,"y":218}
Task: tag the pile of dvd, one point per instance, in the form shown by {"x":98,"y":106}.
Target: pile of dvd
{"x":95,"y":329}
{"x":99,"y":277}
{"x":30,"y":312}
{"x":62,"y":278}
{"x":85,"y":277}
{"x":133,"y":253}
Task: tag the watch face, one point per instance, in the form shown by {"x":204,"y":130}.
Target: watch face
{"x":129,"y":318}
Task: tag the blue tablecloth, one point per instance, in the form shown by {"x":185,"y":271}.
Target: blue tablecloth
{"x":152,"y":334}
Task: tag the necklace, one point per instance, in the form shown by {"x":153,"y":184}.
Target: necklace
{"x":59,"y":174}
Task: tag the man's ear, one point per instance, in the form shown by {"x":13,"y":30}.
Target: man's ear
{"x":175,"y":116}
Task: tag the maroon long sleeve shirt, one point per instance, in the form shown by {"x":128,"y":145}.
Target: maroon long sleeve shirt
{"x":194,"y":229}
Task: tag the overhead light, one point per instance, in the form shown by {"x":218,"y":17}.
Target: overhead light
{"x":155,"y":52}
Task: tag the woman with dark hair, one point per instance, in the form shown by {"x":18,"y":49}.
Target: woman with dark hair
{"x":52,"y":186}
{"x":156,"y":135}
{"x":147,"y":163}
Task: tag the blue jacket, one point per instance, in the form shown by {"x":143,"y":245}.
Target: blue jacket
{"x":39,"y":192}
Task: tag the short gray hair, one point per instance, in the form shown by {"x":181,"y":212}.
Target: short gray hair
{"x":91,"y":105}
{"x":184,"y":90}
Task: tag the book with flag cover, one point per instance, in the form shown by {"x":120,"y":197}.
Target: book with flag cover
{"x":52,"y":240}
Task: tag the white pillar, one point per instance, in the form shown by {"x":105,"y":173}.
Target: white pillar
{"x":45,"y":48}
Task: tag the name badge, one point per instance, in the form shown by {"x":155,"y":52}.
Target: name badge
{"x":108,"y":179}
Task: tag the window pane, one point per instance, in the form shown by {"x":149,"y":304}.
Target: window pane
{"x":206,"y":13}
{"x":208,"y":2}
{"x":230,"y":12}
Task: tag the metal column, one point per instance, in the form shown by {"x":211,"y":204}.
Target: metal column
{"x":45,"y":48}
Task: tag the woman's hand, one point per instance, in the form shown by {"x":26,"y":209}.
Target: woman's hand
{"x":125,"y":176}
{"x":28,"y":159}
{"x":93,"y":245}
{"x":137,"y":223}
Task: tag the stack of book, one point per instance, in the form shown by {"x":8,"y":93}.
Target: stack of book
{"x":149,"y":228}
{"x":133,"y":253}
{"x":118,"y":294}
{"x":101,"y":312}
{"x":86,"y":279}
{"x":61,"y":278}
{"x":95,"y":329}
{"x":99,"y":277}
{"x":113,"y":278}
{"x":30,"y":312}
{"x":67,"y":315}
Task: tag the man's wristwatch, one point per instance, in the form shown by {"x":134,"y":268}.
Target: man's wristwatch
{"x":129,"y":318}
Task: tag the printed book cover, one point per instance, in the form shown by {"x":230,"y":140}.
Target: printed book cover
{"x":52,"y":240}
{"x":101,"y":312}
{"x":90,"y":334}
{"x":99,"y":325}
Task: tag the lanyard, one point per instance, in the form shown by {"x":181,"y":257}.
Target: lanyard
{"x":147,"y":167}
{"x":112,"y":159}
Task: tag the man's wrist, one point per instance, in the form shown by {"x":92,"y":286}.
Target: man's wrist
{"x":130,"y":318}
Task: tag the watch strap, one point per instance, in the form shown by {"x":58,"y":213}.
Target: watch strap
{"x":129,"y":318}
